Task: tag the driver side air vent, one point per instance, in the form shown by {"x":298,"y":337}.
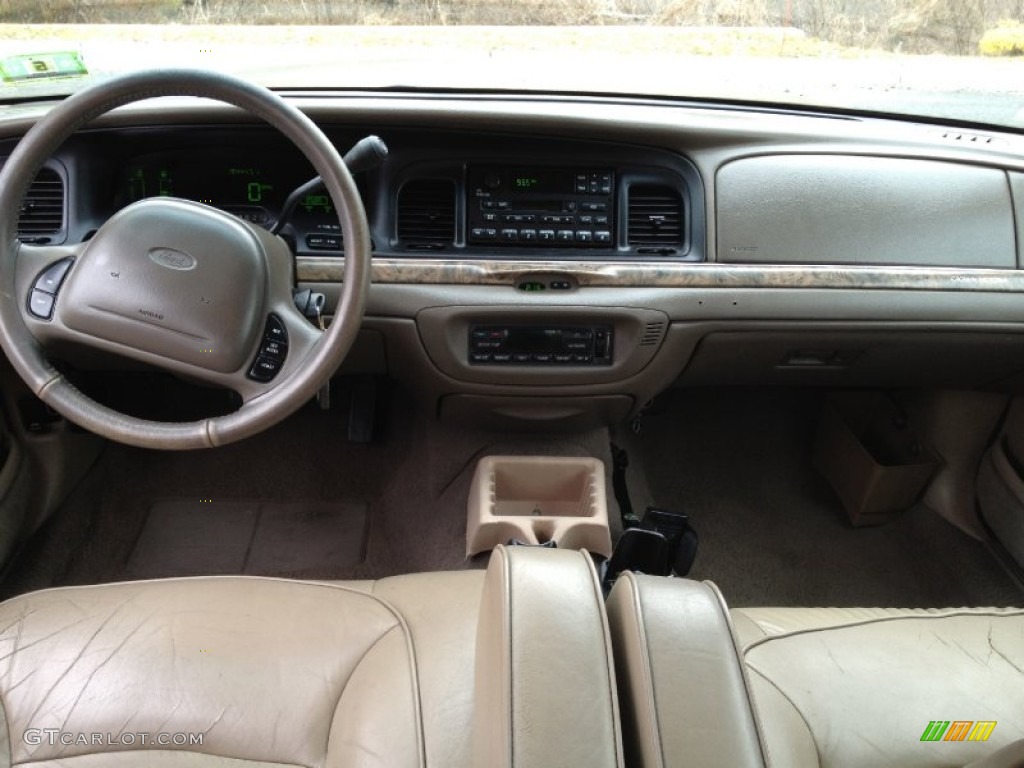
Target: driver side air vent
{"x":42,"y":210}
{"x":426,"y":214}
{"x":655,"y":216}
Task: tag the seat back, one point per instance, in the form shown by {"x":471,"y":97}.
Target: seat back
{"x":885,"y":687}
{"x":460,"y":669}
{"x":809,"y":687}
{"x":682,"y":688}
{"x":545,"y":685}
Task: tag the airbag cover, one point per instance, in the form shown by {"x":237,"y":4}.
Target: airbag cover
{"x":173,"y":278}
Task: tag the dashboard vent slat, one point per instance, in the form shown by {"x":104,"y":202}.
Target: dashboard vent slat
{"x":652,"y":334}
{"x":426,"y":213}
{"x":42,"y":210}
{"x":655,"y":217}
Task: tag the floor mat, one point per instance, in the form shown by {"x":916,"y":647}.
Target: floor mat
{"x":189,"y":537}
{"x":771,"y":530}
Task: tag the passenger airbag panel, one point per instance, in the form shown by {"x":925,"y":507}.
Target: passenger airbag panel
{"x":842,"y":209}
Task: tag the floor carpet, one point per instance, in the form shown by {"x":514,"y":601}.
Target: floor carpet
{"x":772,"y":532}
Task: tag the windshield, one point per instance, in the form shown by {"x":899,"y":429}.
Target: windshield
{"x":952,"y":59}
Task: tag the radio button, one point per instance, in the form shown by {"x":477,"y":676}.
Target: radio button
{"x":522,"y":357}
{"x":484,"y":233}
{"x":502,"y":357}
{"x":510,"y":235}
{"x":542,"y":357}
{"x":502,"y":205}
{"x":487,"y":205}
{"x":546,"y":235}
{"x":603,"y":236}
{"x":586,"y":220}
{"x":566,"y":236}
{"x":480,"y":357}
{"x":570,"y":206}
{"x":563,"y":358}
{"x":584,"y":236}
{"x":528,"y":235}
{"x":582,"y":359}
{"x":601,"y":221}
{"x":490,"y":218}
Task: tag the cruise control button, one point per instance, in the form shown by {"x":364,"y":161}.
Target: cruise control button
{"x":40,"y":304}
{"x":273,"y":349}
{"x":264,"y":369}
{"x":275,"y":330}
{"x":51,"y":279}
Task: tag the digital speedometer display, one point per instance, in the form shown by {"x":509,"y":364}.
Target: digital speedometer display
{"x":250,"y":187}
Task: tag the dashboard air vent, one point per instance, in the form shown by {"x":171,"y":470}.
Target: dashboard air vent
{"x":652,"y":334}
{"x":42,"y":210}
{"x":655,"y":219}
{"x":426,"y":214}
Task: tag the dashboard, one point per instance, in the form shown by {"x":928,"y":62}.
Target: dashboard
{"x":546,"y":262}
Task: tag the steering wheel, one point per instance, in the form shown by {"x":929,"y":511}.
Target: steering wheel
{"x":175,"y":283}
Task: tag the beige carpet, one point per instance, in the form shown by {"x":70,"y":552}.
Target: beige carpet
{"x":198,"y":537}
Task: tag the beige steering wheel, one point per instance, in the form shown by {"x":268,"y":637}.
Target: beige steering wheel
{"x":175,"y":283}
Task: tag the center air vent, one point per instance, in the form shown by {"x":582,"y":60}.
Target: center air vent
{"x":655,"y":219}
{"x":42,"y":210}
{"x":426,"y":214}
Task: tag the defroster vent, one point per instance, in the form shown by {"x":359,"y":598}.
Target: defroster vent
{"x":655,"y":219}
{"x":426,"y":214}
{"x":42,"y":210}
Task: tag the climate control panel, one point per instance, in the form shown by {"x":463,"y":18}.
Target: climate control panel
{"x":540,"y":345}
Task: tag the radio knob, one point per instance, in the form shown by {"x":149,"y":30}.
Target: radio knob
{"x":492,"y":181}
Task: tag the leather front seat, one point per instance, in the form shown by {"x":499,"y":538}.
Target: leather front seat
{"x":442,"y":669}
{"x":799,"y":687}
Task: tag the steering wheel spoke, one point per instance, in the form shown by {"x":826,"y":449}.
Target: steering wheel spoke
{"x":175,"y":283}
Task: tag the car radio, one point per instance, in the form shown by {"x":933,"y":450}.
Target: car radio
{"x":540,"y":345}
{"x":541,"y":206}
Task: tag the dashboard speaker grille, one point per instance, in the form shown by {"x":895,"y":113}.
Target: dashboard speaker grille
{"x":652,"y":334}
{"x":426,"y":213}
{"x":655,"y":217}
{"x":42,"y":210}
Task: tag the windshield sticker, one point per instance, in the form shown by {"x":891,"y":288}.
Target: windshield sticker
{"x":42,"y":66}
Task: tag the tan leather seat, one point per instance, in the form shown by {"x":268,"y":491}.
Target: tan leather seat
{"x":442,"y":669}
{"x":813,"y":687}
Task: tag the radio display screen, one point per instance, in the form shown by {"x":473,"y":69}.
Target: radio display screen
{"x":547,"y":181}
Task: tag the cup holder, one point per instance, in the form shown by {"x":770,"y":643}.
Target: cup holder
{"x":538,"y":500}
